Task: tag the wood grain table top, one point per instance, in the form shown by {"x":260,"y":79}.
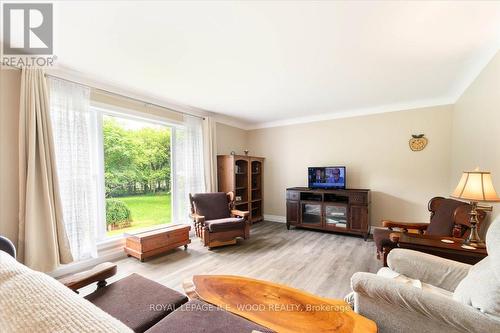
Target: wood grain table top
{"x":276,"y":306}
{"x":158,"y":231}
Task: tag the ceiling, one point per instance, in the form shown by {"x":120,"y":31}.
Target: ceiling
{"x":268,"y":63}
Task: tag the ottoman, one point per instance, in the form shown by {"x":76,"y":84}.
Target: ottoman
{"x":137,"y":302}
{"x":200,"y":317}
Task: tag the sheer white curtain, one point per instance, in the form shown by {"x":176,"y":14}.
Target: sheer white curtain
{"x":76,"y":165}
{"x":189,"y":172}
{"x":210,"y":155}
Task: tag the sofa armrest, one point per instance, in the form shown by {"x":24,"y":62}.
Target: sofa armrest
{"x":7,"y":246}
{"x":97,"y":274}
{"x":240,"y":213}
{"x":443,"y":310}
{"x":439,"y":272}
{"x":405,"y":225}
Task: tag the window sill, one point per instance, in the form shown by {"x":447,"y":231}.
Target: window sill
{"x":108,"y":250}
{"x":110,"y":241}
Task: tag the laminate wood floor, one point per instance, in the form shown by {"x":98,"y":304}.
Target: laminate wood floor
{"x":317,"y":262}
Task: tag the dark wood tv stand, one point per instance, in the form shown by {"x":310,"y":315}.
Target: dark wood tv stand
{"x":345,"y":211}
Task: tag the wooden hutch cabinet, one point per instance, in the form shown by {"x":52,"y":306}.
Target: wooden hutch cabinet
{"x":345,"y":211}
{"x":244,"y":176}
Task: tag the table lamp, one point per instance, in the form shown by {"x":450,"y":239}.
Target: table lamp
{"x":475,"y":186}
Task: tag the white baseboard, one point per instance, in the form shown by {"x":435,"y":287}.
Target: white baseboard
{"x":275,"y":218}
{"x":282,"y":219}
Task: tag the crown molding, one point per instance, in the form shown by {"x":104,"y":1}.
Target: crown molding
{"x":356,"y":113}
{"x":231,"y":121}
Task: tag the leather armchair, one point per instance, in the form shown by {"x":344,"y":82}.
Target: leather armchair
{"x":449,"y":218}
{"x":216,"y":221}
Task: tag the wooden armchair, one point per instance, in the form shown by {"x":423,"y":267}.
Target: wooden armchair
{"x":216,"y":221}
{"x":448,"y":218}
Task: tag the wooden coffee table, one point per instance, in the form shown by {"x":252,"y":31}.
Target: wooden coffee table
{"x":277,"y":306}
{"x":434,"y":245}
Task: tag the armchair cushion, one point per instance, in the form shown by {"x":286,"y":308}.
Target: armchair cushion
{"x":481,"y":287}
{"x":212,"y":205}
{"x":400,"y":278}
{"x":230,"y":223}
{"x":439,"y":272}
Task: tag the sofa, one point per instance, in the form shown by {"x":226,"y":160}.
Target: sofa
{"x":32,"y":301}
{"x":422,"y":293}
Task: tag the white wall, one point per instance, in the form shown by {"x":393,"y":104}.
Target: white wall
{"x":231,"y":138}
{"x":376,"y":152}
{"x":476,"y":128}
{"x":10,"y":85}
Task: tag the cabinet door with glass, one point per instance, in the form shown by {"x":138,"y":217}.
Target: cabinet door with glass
{"x":311,"y":214}
{"x":336,"y":215}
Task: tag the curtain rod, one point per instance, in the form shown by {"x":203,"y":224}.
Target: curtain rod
{"x":117,"y":94}
{"x":125,"y":96}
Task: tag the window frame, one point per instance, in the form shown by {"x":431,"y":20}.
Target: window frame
{"x":98,"y":111}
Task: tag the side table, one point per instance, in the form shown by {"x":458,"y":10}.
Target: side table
{"x":434,"y":245}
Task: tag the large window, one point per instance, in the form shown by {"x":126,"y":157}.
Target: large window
{"x":120,"y":170}
{"x":136,"y":174}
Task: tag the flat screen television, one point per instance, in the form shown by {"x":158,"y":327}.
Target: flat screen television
{"x":326,"y":177}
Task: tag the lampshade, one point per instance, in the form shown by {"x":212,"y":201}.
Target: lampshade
{"x":475,"y":186}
